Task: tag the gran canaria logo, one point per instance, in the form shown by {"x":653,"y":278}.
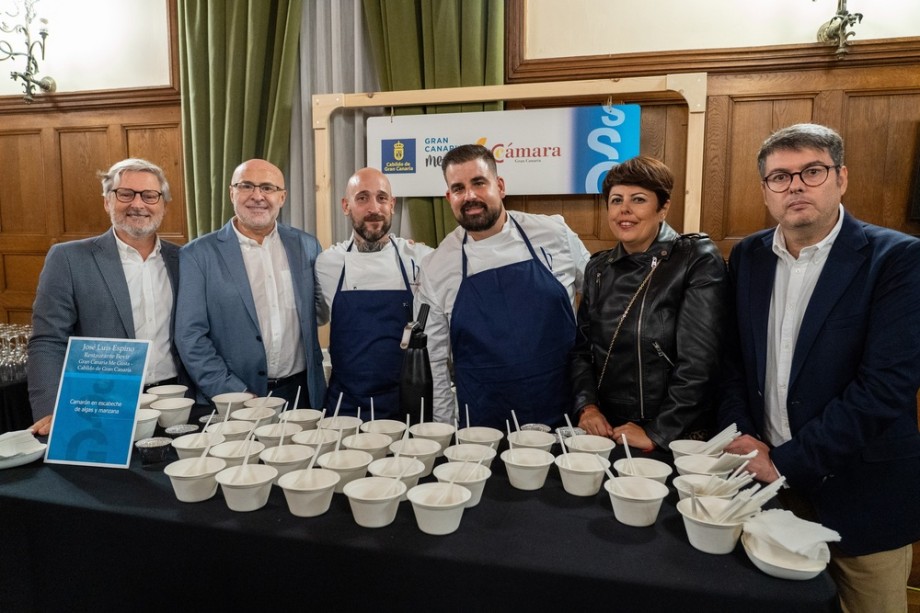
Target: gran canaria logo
{"x":398,"y":155}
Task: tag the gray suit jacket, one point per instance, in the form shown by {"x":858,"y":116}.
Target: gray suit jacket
{"x":218,"y":333}
{"x":82,"y":291}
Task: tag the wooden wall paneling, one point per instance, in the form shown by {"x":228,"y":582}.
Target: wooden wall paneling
{"x":715,"y":167}
{"x":162,"y":145}
{"x":22,"y":199}
{"x":881,"y":145}
{"x":84,"y":151}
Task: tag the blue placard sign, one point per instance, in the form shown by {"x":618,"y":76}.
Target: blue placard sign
{"x":97,"y":401}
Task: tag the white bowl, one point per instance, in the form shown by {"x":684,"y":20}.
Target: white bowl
{"x":233,"y":452}
{"x":410,"y":469}
{"x":438,"y":507}
{"x":231,"y":430}
{"x":193,"y":445}
{"x":235,"y":401}
{"x":374,"y":443}
{"x":305,"y":418}
{"x":274,"y":402}
{"x":582,"y":473}
{"x":470,"y":475}
{"x":590,"y":443}
{"x":471,"y":452}
{"x":533,"y":439}
{"x":439,"y":432}
{"x":374,"y":500}
{"x":347,"y":424}
{"x":260,"y":415}
{"x":779,"y":562}
{"x":643,"y":467}
{"x":246,"y":488}
{"x":286,"y":458}
{"x":698,"y":465}
{"x":308,"y":492}
{"x":146,"y":423}
{"x":270,"y":434}
{"x":193,"y":479}
{"x":173,"y":411}
{"x":322,"y":441}
{"x":392,"y":428}
{"x":527,"y":467}
{"x":636,"y":501}
{"x":419,"y":448}
{"x":706,"y":535}
{"x":168,"y":391}
{"x":698,"y":484}
{"x":351,"y":464}
{"x":480,"y":435}
{"x":683,"y":447}
{"x":145,"y":400}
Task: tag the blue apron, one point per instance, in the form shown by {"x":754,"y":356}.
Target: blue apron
{"x":511,"y":331}
{"x":365,"y":331}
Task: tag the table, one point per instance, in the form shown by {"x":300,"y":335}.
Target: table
{"x":77,"y":538}
{"x":15,"y":412}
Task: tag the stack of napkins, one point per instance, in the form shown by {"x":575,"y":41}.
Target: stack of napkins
{"x":783,"y":529}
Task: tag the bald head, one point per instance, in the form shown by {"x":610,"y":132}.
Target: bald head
{"x":257,"y":192}
{"x":369,"y":203}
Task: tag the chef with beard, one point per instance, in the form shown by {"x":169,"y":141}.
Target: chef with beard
{"x":501,"y":288}
{"x":368,"y":283}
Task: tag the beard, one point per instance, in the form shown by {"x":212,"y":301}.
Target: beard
{"x":481,"y":221}
{"x":371,"y":237}
{"x":147,"y":228}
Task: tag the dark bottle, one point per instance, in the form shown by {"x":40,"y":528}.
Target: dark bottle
{"x":415,"y":382}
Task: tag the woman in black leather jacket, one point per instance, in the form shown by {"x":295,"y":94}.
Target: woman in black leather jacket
{"x":650,"y":321}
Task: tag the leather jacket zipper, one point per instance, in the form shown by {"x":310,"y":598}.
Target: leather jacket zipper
{"x":639,"y":341}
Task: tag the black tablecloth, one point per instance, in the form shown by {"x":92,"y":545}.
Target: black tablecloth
{"x":15,"y":412}
{"x":88,"y":538}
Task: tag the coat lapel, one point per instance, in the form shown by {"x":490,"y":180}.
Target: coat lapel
{"x":228,"y":246}
{"x":763,"y":273}
{"x":842,"y":263}
{"x":105,"y":253}
{"x":294,"y":250}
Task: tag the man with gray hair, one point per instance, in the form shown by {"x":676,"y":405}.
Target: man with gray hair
{"x":121,"y":284}
{"x":822,"y":375}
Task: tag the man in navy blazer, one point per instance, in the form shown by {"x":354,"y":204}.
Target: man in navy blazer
{"x":825,"y":368}
{"x":246,"y":313}
{"x":121,"y":284}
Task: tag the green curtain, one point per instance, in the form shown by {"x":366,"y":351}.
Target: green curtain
{"x":238,"y":62}
{"x":430,"y":44}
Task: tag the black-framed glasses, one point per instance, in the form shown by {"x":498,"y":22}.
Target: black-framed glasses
{"x":813,"y":176}
{"x":149,"y":196}
{"x":266,"y":188}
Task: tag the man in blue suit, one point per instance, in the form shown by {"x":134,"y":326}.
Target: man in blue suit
{"x":246,"y":313}
{"x":826,"y":365}
{"x":121,"y":284}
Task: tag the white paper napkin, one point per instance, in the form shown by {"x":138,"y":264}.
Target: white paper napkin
{"x":17,"y":443}
{"x":783,"y":529}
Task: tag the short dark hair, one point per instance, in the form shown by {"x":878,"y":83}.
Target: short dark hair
{"x":644,"y":171}
{"x":798,"y":137}
{"x":467,"y":153}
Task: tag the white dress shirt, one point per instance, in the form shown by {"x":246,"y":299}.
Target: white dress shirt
{"x":793,"y":286}
{"x":556,"y":247}
{"x":151,"y":306}
{"x":367,"y":271}
{"x":273,"y":293}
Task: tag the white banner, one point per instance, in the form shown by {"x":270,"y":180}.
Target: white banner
{"x":544,"y":151}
